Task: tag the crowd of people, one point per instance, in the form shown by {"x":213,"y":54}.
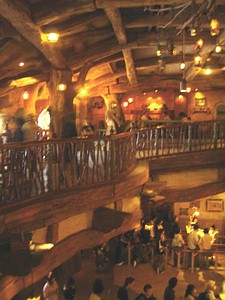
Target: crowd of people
{"x":51,"y":290}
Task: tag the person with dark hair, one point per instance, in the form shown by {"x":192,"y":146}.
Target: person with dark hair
{"x":193,"y":243}
{"x":97,"y":290}
{"x":169,"y":293}
{"x":159,"y":263}
{"x":148,"y":293}
{"x":205,"y":244}
{"x":17,"y":135}
{"x":51,"y":288}
{"x":174,"y":227}
{"x":122,"y":293}
{"x":69,"y":290}
{"x":190,"y":293}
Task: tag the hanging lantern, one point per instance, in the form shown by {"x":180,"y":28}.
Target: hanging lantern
{"x":199,"y":44}
{"x":193,"y":31}
{"x":182,"y":65}
{"x":198,"y":60}
{"x":214,"y":27}
{"x":61,"y":87}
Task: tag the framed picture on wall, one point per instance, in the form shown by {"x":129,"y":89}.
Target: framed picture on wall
{"x":200,"y":101}
{"x":183,"y":211}
{"x":215,"y":205}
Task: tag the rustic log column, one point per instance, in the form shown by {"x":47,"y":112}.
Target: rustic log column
{"x":114,"y":114}
{"x":61,"y":102}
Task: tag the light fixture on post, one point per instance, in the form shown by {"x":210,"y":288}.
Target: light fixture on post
{"x":218,"y":48}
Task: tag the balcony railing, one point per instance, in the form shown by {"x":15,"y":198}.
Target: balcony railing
{"x":29,"y":170}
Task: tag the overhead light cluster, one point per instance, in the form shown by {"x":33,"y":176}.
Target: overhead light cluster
{"x":51,"y":37}
{"x":128,"y":101}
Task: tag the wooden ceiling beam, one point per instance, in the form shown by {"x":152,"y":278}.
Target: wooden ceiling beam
{"x":145,"y":20}
{"x":95,"y":53}
{"x":116,"y":21}
{"x":31,"y":32}
{"x":105,"y":80}
{"x":74,"y":25}
{"x":143,"y":3}
{"x":61,"y":10}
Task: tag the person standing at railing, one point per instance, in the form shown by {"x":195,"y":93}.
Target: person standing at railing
{"x":205,"y":243}
{"x":68,"y":131}
{"x":17,"y":135}
{"x":159,"y":260}
{"x":178,"y":243}
{"x":193,"y":243}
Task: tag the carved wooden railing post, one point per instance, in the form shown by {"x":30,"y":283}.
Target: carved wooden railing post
{"x":112,"y":156}
{"x":189,"y":137}
{"x":157,"y":142}
{"x":215,"y":129}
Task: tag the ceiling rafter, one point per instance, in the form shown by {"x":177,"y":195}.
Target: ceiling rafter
{"x":31,"y":32}
{"x":61,"y":10}
{"x":116,"y":21}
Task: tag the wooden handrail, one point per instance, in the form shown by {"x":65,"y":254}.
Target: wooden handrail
{"x":30,"y":169}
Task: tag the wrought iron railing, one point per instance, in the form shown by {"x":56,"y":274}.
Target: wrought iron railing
{"x":32,"y":169}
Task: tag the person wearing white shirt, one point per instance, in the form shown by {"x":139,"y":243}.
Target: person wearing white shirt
{"x":51,"y":288}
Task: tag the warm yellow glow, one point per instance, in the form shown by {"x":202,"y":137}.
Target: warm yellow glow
{"x":158,"y":53}
{"x":214,"y":27}
{"x":208,"y":71}
{"x":182,"y":66}
{"x":34,"y":298}
{"x":44,"y":119}
{"x":188,"y":89}
{"x":199,"y":44}
{"x":196,"y":90}
{"x":218,"y":49}
{"x":23,"y":81}
{"x":198,"y":60}
{"x":155,"y":106}
{"x":21,"y":64}
{"x":196,"y":213}
{"x":25,"y":95}
{"x":156,"y":91}
{"x":43,"y":247}
{"x":193,"y":31}
{"x":181,"y":97}
{"x":52,"y":37}
{"x":125,"y":104}
{"x":130,"y":100}
{"x":83,"y":92}
{"x":61,"y":87}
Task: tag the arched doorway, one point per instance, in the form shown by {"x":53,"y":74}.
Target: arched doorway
{"x":220,"y":112}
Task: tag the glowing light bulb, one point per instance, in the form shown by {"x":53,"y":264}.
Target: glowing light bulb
{"x":188,"y":89}
{"x":25,"y":95}
{"x":130,"y":100}
{"x":21,"y":64}
{"x":83,"y":92}
{"x":193,"y":31}
{"x":61,"y":87}
{"x":182,"y":65}
{"x":52,"y":37}
{"x":214,"y":27}
{"x":218,"y":49}
{"x":125,"y":104}
{"x":208,"y":71}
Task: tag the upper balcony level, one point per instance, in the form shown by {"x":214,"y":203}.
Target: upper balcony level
{"x":31,"y":170}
